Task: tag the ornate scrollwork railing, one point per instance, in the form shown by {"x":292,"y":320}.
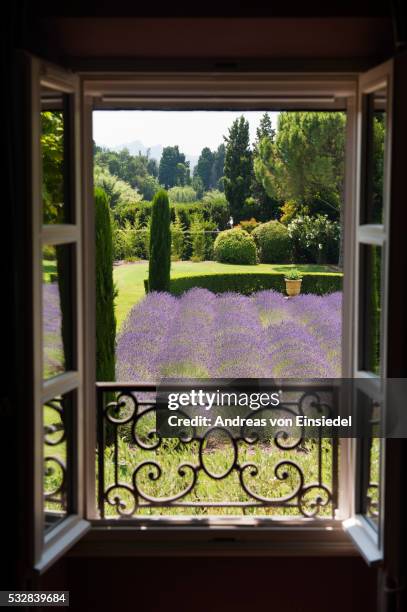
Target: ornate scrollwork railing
{"x":214,"y":472}
{"x":55,"y":472}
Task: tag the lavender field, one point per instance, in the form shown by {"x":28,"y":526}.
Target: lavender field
{"x":54,"y":362}
{"x":229,"y":335}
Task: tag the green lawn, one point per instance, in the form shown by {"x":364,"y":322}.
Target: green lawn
{"x":129,"y":278}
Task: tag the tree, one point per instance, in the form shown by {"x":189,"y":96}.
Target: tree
{"x":266,"y":207}
{"x":305,"y":163}
{"x":204,"y":166}
{"x":117,"y":191}
{"x":152,"y":167}
{"x":160,"y":244}
{"x":197,"y":185}
{"x":148,"y":186}
{"x":170,"y":173}
{"x":139,"y":171}
{"x":105,"y":291}
{"x":238,"y":167}
{"x":218,"y":168}
{"x":182,"y":174}
{"x":265,"y":130}
{"x":52,"y":146}
{"x":182,"y":194}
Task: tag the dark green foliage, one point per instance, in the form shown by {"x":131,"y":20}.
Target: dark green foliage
{"x":314,"y":239}
{"x":215,"y":208}
{"x":265,"y":129}
{"x":371,"y":261}
{"x":273,"y":242}
{"x":218,"y":168}
{"x":105,"y":291}
{"x":265,"y":207}
{"x":238,"y":167}
{"x":319,"y":284}
{"x":203,"y":168}
{"x":139,"y":171}
{"x":160,"y":244}
{"x":173,"y":169}
{"x":235,"y":246}
{"x":52,"y":147}
{"x":208,"y":173}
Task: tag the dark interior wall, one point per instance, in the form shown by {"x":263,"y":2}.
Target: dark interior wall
{"x":253,"y":38}
{"x":332,"y":34}
{"x":73,"y":31}
{"x":217,"y":584}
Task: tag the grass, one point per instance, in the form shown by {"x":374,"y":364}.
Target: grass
{"x":129,"y":278}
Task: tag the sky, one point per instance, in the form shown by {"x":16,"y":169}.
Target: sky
{"x":191,"y":130}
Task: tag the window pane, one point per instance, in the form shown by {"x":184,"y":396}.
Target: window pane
{"x":369,"y":458}
{"x":375,"y":137}
{"x":57,"y":422}
{"x":370,"y":308}
{"x":57,"y":314}
{"x":56,"y":167}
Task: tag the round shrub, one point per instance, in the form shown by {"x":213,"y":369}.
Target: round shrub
{"x":235,"y":246}
{"x":273,"y":242}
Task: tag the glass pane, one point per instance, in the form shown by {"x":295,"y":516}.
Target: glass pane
{"x":375,"y":138}
{"x":369,"y":464}
{"x":370,"y":308}
{"x":57,"y":414}
{"x":55,"y":146}
{"x":57,"y":313}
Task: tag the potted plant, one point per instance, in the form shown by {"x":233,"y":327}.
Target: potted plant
{"x":293,"y":280}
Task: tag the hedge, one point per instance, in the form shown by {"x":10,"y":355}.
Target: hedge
{"x":247,"y":283}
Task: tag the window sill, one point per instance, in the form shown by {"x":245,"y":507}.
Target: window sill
{"x":212,"y":538}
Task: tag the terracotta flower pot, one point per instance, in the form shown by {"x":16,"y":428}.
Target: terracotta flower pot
{"x":293,"y":287}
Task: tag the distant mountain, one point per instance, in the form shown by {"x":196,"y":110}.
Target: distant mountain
{"x":136,"y":146}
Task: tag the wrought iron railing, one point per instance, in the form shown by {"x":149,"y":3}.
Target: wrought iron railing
{"x":140,"y":473}
{"x":55,"y":483}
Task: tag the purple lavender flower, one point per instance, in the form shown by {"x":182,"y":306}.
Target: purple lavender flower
{"x":200,"y":334}
{"x":54,"y":361}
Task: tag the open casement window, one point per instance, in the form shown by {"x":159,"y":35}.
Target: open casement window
{"x":64,"y":309}
{"x":374,"y":490}
{"x":57,"y":262}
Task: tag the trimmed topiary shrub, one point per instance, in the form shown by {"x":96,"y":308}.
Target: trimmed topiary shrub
{"x":273,"y":242}
{"x":248,"y":283}
{"x":160,"y":244}
{"x":235,"y":246}
{"x":105,"y":291}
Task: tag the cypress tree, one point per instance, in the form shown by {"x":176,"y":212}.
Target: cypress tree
{"x":238,"y":167}
{"x":160,"y":244}
{"x":105,"y":291}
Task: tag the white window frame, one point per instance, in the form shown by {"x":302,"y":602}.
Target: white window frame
{"x":251,"y":91}
{"x":268,"y":91}
{"x":369,"y":540}
{"x":48,"y":546}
